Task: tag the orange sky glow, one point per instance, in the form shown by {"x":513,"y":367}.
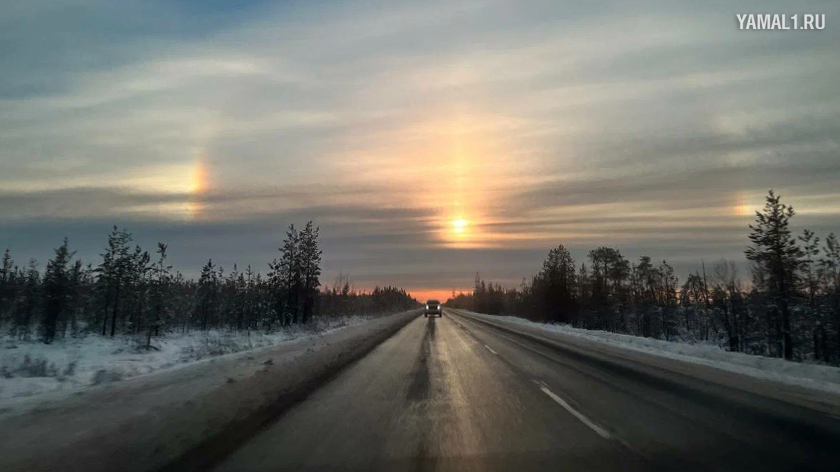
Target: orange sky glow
{"x":426,"y":150}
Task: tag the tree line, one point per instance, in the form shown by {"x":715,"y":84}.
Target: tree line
{"x":790,"y":308}
{"x":132,"y":291}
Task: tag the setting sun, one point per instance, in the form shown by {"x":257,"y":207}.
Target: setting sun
{"x":459,"y":225}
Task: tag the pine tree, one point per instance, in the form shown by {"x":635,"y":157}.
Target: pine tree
{"x":609,"y":271}
{"x":56,"y":291}
{"x":285,"y":278}
{"x":810,"y":250}
{"x":776,"y":252}
{"x":829,"y":270}
{"x":555,"y":286}
{"x":160,"y":294}
{"x":667,"y":298}
{"x":112,"y":273}
{"x":239,"y":303}
{"x":137,"y":287}
{"x":207,"y":293}
{"x":77,"y":300}
{"x":646,"y":300}
{"x":810,"y":287}
{"x":29,"y":304}
{"x":7,"y":286}
{"x":249,"y":297}
{"x":692,"y":300}
{"x":310,"y":266}
{"x":583,"y":290}
{"x":727,"y":303}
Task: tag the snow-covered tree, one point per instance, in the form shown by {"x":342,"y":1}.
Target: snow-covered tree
{"x":56,"y":291}
{"x":775,"y":251}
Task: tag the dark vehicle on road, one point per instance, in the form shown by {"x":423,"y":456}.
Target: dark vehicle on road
{"x":433,"y":308}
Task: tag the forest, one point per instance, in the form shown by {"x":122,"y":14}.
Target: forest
{"x":134,"y":292}
{"x":788,"y":305}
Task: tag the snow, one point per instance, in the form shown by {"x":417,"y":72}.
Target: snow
{"x":31,"y":368}
{"x":812,"y":376}
{"x":183,"y":412}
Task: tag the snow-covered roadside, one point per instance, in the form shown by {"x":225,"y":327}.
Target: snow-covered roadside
{"x":31,"y":369}
{"x":180,"y":417}
{"x":813,"y":376}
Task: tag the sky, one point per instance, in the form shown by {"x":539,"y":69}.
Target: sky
{"x":429,"y":140}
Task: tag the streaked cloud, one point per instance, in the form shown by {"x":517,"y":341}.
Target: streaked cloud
{"x":656,"y":127}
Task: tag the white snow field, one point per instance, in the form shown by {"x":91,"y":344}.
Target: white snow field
{"x":145,"y":422}
{"x":812,"y":376}
{"x":29,"y":369}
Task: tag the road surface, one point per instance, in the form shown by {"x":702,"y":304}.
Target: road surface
{"x":454,"y":394}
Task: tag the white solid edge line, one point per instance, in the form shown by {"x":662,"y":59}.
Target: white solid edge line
{"x":594,"y":427}
{"x":491,"y":349}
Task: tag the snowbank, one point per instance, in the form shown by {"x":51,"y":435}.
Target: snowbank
{"x":179,"y":418}
{"x":812,"y":376}
{"x":31,"y":368}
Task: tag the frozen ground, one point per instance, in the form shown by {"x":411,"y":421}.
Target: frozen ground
{"x":814,"y":376}
{"x":31,"y":368}
{"x":148,"y":421}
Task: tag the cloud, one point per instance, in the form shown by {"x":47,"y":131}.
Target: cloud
{"x":655,"y":127}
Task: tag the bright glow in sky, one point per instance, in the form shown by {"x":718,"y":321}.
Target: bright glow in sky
{"x":429,"y":140}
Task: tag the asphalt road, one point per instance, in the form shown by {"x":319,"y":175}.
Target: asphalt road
{"x":454,"y":394}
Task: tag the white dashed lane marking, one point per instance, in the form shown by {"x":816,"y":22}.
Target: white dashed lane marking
{"x":600,"y":431}
{"x":594,"y":427}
